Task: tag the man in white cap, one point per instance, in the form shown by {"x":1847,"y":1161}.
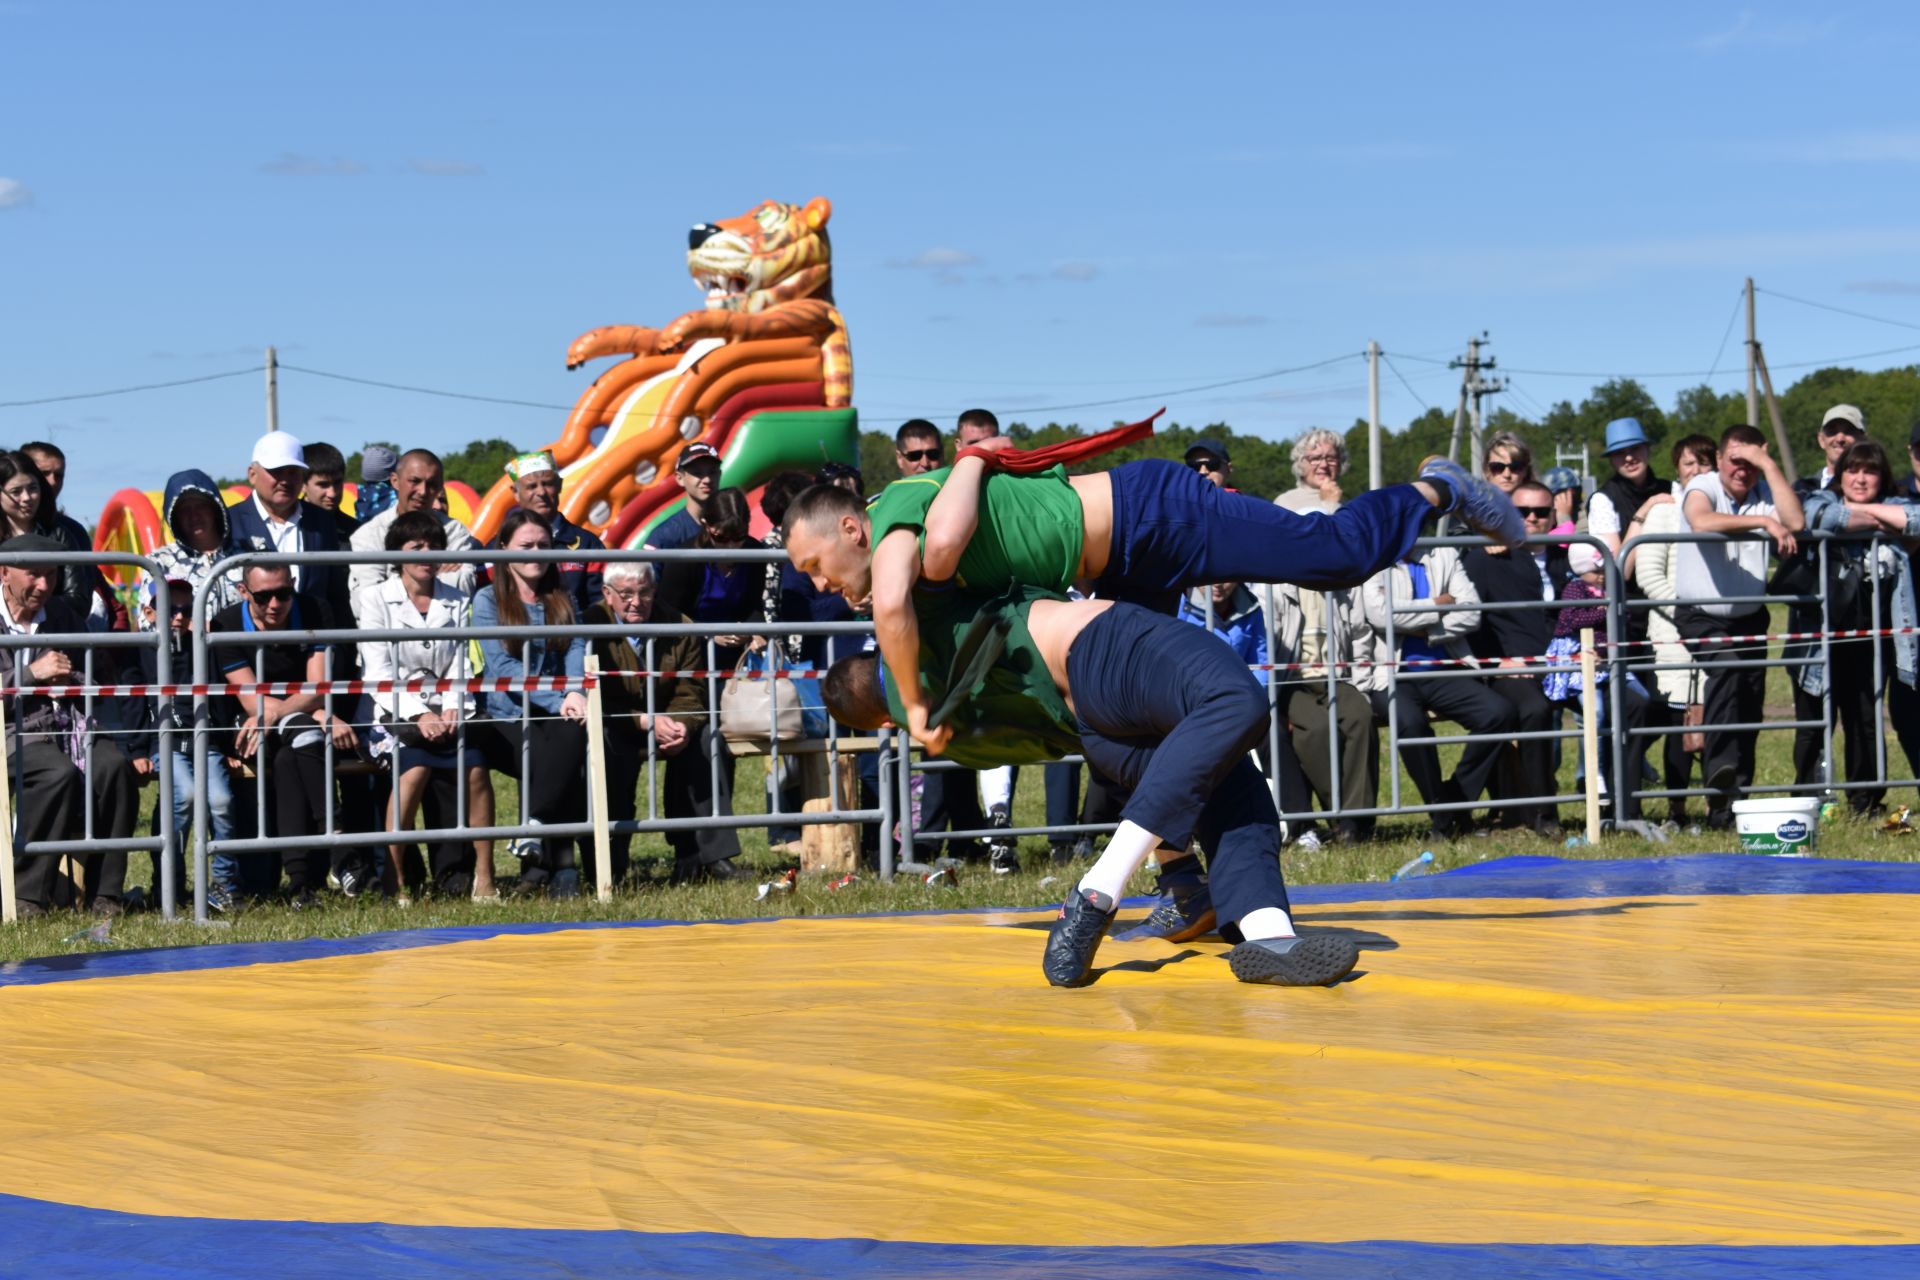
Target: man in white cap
{"x":536,"y":487}
{"x":273,"y":518}
{"x":419,"y":479}
{"x":1842,"y":427}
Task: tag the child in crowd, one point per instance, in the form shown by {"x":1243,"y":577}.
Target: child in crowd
{"x":376,"y":482}
{"x":1562,"y":682}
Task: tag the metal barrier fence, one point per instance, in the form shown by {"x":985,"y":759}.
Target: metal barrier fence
{"x":895,"y":766}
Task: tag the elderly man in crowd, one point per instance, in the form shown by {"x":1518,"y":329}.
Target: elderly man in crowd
{"x":273,"y":518}
{"x":50,"y":790}
{"x":1315,"y":630}
{"x":1319,"y":460}
{"x":536,"y":487}
{"x":1745,"y":494}
{"x":419,"y":480}
{"x":1842,"y":427}
{"x":678,"y":723}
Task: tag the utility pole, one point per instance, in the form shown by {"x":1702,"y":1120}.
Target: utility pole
{"x":1373,"y":415}
{"x":1476,"y":389}
{"x":273,"y":390}
{"x":1753,"y":352}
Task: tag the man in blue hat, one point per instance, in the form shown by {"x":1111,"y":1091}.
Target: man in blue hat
{"x":1209,"y":458}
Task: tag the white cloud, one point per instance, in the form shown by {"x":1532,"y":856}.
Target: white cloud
{"x":444,"y":168}
{"x":294,"y":165}
{"x":1229,"y":320}
{"x":1897,"y":288}
{"x":15,"y":194}
{"x":1748,"y":31}
{"x":1076,"y":272}
{"x":938,"y":259}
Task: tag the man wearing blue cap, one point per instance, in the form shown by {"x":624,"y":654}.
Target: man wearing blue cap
{"x":1210,"y":459}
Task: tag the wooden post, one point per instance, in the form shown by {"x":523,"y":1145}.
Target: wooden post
{"x":597,"y":783}
{"x":1590,"y":737}
{"x":1374,"y":472}
{"x":1773,"y":412}
{"x":9,"y":900}
{"x":273,"y":389}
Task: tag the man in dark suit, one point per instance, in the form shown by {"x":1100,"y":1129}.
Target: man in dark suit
{"x":1506,"y":635}
{"x":274,"y":518}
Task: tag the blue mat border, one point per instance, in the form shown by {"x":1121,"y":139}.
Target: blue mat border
{"x":1515,"y":877}
{"x":43,"y":1238}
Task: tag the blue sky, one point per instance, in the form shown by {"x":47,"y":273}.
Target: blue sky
{"x":1034,"y":205}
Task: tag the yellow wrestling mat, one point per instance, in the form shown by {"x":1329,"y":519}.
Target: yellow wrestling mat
{"x":1635,"y":1070}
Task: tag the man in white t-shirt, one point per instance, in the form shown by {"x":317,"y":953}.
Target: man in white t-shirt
{"x":1747,"y":493}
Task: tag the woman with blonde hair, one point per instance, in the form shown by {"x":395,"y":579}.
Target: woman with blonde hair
{"x":1319,"y":460}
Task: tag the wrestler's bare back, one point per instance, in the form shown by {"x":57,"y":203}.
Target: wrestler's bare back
{"x":1054,"y":625}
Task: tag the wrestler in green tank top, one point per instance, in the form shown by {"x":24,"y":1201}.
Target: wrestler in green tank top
{"x":1030,"y":532}
{"x":1008,"y":711}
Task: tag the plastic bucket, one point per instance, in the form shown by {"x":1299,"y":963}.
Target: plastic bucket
{"x":1788,"y":826}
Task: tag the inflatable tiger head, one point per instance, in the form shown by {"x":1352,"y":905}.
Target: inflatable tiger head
{"x":777,"y":253}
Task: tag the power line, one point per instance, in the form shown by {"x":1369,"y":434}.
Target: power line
{"x":1739,"y":299}
{"x":1188,"y":391}
{"x":1395,"y":369}
{"x":1825,"y":306}
{"x":121,"y":391}
{"x":422,"y":391}
{"x":1688,"y":373}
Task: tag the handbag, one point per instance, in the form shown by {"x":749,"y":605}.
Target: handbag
{"x":753,"y":702}
{"x":1696,"y":741}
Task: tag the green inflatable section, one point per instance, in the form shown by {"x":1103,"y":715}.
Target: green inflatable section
{"x":765,"y":444}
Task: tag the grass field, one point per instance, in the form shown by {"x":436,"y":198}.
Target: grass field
{"x":1039,"y":883}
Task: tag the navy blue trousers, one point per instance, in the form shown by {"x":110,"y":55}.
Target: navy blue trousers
{"x":1173,"y":530}
{"x":1169,"y":711}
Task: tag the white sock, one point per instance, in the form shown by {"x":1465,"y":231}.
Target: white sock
{"x":996,"y":787}
{"x":1265,"y":922}
{"x":1128,"y":848}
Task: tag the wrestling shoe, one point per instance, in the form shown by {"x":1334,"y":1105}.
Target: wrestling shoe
{"x":1002,"y":854}
{"x":1183,"y":913}
{"x":1084,"y":919}
{"x":1481,"y":505}
{"x":1318,"y":960}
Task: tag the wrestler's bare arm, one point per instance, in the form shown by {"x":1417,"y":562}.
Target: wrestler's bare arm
{"x":896,"y":567}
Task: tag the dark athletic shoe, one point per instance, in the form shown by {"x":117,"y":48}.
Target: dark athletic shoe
{"x":1084,"y":919}
{"x":1317,"y":960}
{"x":1184,"y":912}
{"x":1482,"y":506}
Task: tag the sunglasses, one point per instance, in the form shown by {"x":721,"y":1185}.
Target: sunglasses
{"x":274,"y":595}
{"x":1501,"y":468}
{"x":1538,"y":513}
{"x":1207,"y":464}
{"x":920,"y":455}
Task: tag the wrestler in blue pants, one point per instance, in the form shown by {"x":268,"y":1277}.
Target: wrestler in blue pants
{"x":1168,"y":710}
{"x":1173,"y":530}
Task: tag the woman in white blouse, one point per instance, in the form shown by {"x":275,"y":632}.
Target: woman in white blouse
{"x":424,"y":722}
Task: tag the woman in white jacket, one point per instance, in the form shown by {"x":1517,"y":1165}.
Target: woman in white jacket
{"x":424,"y":722}
{"x":1430,"y":637}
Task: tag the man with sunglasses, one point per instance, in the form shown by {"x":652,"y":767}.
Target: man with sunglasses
{"x":916,"y":448}
{"x":288,"y":734}
{"x":1209,"y":459}
{"x":1507,"y":637}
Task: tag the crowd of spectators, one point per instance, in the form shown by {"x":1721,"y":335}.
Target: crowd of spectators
{"x":1483,"y":638}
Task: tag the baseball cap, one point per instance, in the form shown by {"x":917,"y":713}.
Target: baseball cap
{"x":696,"y":452}
{"x":1560,"y":479}
{"x":1213,"y":447}
{"x":1846,"y":416}
{"x":377,"y":463}
{"x":277,"y":449}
